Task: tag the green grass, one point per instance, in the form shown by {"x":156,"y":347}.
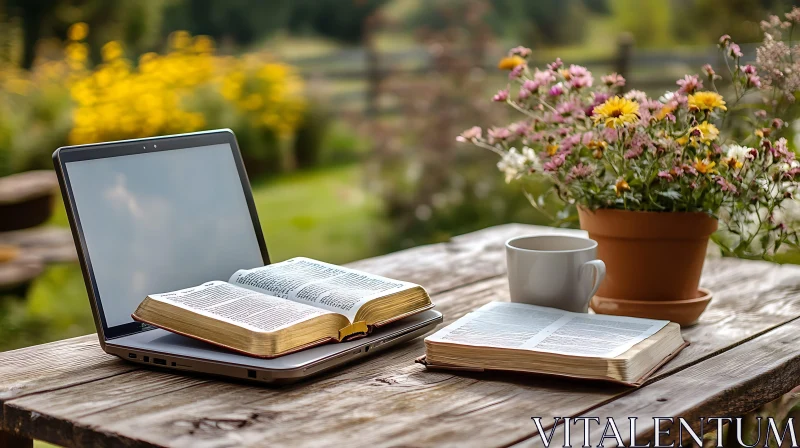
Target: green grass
{"x":325,"y":214}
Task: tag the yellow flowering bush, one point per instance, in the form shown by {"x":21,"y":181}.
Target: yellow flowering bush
{"x":187,"y":88}
{"x":116,"y":100}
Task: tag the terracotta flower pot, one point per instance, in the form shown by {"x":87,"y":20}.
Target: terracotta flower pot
{"x":650,"y":256}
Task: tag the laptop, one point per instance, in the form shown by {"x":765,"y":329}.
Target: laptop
{"x":166,"y":213}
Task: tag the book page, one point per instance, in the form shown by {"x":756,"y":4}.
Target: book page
{"x":536,"y":328}
{"x":319,"y":284}
{"x":240,"y":306}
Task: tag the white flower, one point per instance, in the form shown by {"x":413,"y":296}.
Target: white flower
{"x":785,"y":167}
{"x":667,"y":97}
{"x":533,"y":160}
{"x":512,"y":164}
{"x":740,"y":154}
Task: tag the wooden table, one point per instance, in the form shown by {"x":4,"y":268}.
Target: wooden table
{"x":743,"y":354}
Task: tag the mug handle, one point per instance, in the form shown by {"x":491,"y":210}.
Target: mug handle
{"x":599,"y":269}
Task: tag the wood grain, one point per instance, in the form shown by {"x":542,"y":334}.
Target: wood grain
{"x":380,"y":399}
{"x":386,"y":400}
{"x":730,"y":384}
{"x":464,"y":259}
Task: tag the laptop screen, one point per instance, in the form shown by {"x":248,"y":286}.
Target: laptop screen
{"x":160,"y":221}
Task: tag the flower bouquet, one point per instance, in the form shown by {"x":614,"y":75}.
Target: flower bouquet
{"x":651,"y":178}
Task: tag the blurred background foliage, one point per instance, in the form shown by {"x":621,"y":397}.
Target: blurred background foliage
{"x":345,"y":110}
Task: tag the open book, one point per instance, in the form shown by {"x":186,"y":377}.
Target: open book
{"x":529,"y":338}
{"x":284,"y":307}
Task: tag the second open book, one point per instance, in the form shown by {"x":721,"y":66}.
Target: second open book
{"x":529,"y":338}
{"x":284,"y":307}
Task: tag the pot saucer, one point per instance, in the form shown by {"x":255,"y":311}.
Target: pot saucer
{"x":684,"y":312}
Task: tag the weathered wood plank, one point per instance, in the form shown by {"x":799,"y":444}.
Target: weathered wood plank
{"x":465,"y":259}
{"x":389,"y":400}
{"x":55,"y":365}
{"x":727,"y":385}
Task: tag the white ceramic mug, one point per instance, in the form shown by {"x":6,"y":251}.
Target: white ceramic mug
{"x":554,"y":270}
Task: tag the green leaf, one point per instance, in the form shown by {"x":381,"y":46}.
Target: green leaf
{"x":671,"y":194}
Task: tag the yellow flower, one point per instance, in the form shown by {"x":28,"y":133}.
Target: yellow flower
{"x":78,"y":31}
{"x":621,"y":186}
{"x":552,"y":150}
{"x":706,"y":101}
{"x":616,"y":112}
{"x":598,"y":147}
{"x":509,"y":62}
{"x":111,"y":51}
{"x":682,"y":140}
{"x":708,"y":132}
{"x":733,"y":163}
{"x":704,"y":166}
{"x":665,"y":111}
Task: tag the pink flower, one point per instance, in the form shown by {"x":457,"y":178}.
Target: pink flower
{"x":530,"y":86}
{"x":665,"y":175}
{"x":793,"y":15}
{"x":613,"y":80}
{"x":555,"y":65}
{"x":587,"y":138}
{"x":633,"y":153}
{"x":578,"y":83}
{"x":735,"y":51}
{"x":556,"y":90}
{"x":749,"y":69}
{"x":689,"y":169}
{"x":555,"y":162}
{"x":570,"y":141}
{"x":580,"y":171}
{"x":792,"y":173}
{"x":516,"y":72}
{"x":689,"y":84}
{"x":473,"y":133}
{"x":542,"y":78}
{"x":777,"y":123}
{"x":724,"y":40}
{"x":709,"y":71}
{"x":579,"y":76}
{"x":566,"y":108}
{"x":753,"y":81}
{"x":523,"y":93}
{"x":725,"y":185}
{"x":609,"y":135}
{"x":520,"y":128}
{"x":501,"y":96}
{"x":781,"y":150}
{"x":761,"y":113}
{"x":498,"y":134}
{"x":520,"y":51}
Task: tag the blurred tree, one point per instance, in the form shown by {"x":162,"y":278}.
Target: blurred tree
{"x":541,"y":22}
{"x":136,"y":23}
{"x":342,"y":20}
{"x":738,"y":18}
{"x":647,"y":20}
{"x":245,"y":21}
{"x":239,"y":21}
